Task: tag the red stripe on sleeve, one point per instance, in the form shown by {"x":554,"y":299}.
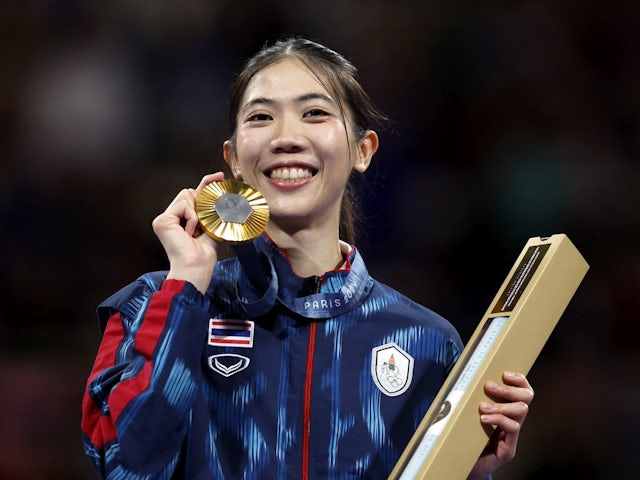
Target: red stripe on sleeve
{"x":101,"y":428}
{"x":97,"y":427}
{"x":155,"y":318}
{"x":128,"y":389}
{"x":153,"y":324}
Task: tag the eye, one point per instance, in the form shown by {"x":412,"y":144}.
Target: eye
{"x":259,"y":117}
{"x":315,"y":112}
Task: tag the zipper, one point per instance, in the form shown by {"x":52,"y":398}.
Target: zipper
{"x":306,"y":422}
{"x":307,"y":401}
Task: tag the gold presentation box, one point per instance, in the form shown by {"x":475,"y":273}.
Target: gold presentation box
{"x":510,"y":336}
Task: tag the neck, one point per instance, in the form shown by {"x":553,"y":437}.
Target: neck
{"x":310,"y":252}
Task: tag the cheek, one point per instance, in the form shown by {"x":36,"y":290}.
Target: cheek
{"x":247,"y":142}
{"x":333,"y":143}
{"x":248,"y":148}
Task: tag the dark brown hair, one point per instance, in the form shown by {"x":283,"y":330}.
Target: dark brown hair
{"x":340,"y":77}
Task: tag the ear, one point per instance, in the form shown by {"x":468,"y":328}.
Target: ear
{"x":367,"y":147}
{"x":231,"y":158}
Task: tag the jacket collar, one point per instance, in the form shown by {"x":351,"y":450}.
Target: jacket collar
{"x":267,"y":278}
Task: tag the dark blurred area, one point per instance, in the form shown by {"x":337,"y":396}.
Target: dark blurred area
{"x":511,"y":120}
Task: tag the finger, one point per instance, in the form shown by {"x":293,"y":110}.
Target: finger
{"x":191,"y":222}
{"x":510,"y":426}
{"x":516,"y":410}
{"x":509,"y":393}
{"x":178,"y":208}
{"x":188,"y":195}
{"x":209,"y":178}
{"x":502,"y":445}
{"x":516,"y":379}
{"x":185,"y":195}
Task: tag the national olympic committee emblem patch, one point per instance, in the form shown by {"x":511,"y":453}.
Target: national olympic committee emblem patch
{"x":391,"y":369}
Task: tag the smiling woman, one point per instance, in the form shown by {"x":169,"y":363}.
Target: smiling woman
{"x":298,"y":145}
{"x":338,"y":79}
{"x":291,"y":362}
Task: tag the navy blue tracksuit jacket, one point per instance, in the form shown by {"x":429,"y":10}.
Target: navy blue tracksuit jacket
{"x":294,"y":378}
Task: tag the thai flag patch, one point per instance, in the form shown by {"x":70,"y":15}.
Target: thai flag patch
{"x":231,"y":333}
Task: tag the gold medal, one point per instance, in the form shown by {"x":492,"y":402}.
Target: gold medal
{"x":232,"y":211}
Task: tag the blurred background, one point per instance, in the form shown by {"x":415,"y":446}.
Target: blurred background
{"x":511,"y":120}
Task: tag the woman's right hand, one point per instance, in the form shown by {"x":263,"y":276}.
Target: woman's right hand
{"x":192,"y":254}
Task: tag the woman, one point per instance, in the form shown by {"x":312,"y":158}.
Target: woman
{"x":315,"y":371}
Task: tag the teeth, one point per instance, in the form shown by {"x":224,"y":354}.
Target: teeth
{"x":290,"y":174}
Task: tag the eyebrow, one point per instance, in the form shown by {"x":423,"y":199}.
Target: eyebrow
{"x":301,"y":99}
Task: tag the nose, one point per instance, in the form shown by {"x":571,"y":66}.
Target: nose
{"x":288,"y":135}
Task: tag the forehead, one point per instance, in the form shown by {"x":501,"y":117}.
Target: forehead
{"x":286,"y":78}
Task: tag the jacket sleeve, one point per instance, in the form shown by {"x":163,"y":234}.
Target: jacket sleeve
{"x":144,"y":379}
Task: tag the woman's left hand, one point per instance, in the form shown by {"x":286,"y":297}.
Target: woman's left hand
{"x":507,"y":414}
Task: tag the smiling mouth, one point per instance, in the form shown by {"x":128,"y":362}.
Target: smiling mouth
{"x":291,"y":175}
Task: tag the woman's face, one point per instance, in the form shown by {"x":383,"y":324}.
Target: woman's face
{"x":293,"y":145}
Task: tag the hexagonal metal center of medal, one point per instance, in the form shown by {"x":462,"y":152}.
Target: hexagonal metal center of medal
{"x":233,"y":208}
